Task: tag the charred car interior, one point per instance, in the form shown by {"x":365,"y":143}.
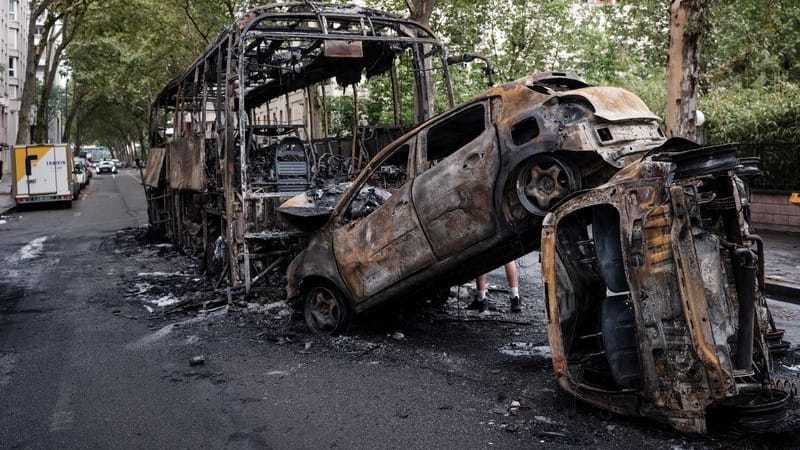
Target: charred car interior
{"x":654,"y":291}
{"x":653,"y":277}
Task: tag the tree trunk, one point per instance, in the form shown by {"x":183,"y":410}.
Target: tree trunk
{"x":34,"y":54}
{"x":420,"y":11}
{"x":687,"y":23}
{"x":75,"y":103}
{"x":52,"y":61}
{"x":40,"y":131}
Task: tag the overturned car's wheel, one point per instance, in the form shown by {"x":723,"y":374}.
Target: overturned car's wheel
{"x":544,"y":180}
{"x":325,"y":310}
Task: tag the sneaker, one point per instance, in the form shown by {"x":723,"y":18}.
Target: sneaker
{"x":516,"y":304}
{"x":479,"y":305}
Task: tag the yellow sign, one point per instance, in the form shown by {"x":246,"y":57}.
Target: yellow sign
{"x":28,"y":158}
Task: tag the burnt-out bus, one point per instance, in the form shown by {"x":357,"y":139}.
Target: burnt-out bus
{"x":249,"y":124}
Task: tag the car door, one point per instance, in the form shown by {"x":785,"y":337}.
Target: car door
{"x":458,"y":161}
{"x":387,"y":245}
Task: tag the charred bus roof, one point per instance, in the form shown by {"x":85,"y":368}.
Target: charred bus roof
{"x":289,"y":46}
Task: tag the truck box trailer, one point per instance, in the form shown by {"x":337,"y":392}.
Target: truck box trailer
{"x":43,"y":173}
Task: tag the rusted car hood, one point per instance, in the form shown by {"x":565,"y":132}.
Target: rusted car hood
{"x":612,"y":103}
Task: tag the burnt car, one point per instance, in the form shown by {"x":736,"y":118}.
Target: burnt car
{"x":654,"y":294}
{"x":472,"y":187}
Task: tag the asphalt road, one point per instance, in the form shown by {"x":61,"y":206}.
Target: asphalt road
{"x":67,"y":379}
{"x":88,"y":361}
{"x":80,"y":367}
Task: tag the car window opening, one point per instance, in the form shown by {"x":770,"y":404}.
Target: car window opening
{"x":456,"y":132}
{"x":525,"y":131}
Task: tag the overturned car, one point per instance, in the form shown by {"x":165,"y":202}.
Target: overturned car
{"x":654,"y":294}
{"x":476,"y":183}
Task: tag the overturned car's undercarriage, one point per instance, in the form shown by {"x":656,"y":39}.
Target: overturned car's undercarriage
{"x":654,"y":292}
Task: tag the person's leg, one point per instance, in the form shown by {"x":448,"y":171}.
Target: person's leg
{"x":479,"y":302}
{"x":511,"y":276}
{"x":482,"y":283}
{"x":513,"y":283}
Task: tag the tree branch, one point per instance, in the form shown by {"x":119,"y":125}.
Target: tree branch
{"x":186,"y":9}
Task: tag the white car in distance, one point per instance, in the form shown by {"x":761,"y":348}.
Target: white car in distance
{"x":106,"y":166}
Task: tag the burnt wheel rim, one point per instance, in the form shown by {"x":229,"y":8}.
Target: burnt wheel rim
{"x":545,"y":180}
{"x":323,"y":312}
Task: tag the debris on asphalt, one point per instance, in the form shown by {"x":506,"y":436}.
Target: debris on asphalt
{"x":197,"y":360}
{"x":306,"y":348}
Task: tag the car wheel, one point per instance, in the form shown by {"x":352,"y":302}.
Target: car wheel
{"x":325,"y":310}
{"x":544,"y":180}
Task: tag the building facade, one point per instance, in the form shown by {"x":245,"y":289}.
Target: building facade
{"x":14,"y":17}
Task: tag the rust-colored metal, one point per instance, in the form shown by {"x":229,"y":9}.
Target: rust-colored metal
{"x":186,"y":164}
{"x":467,"y":205}
{"x":155,"y":161}
{"x":681,"y":331}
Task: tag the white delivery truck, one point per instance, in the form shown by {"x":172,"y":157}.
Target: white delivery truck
{"x":43,"y":173}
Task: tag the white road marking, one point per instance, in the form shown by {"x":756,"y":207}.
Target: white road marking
{"x":134,"y":175}
{"x":62,"y":417}
{"x":77,"y":214}
{"x":31,"y":250}
{"x":150,"y":339}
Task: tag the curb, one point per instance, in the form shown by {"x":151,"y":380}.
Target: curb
{"x":781,"y":289}
{"x":6,"y":209}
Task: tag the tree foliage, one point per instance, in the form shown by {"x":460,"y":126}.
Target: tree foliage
{"x":127,"y":51}
{"x":749,"y":50}
{"x":59,"y":21}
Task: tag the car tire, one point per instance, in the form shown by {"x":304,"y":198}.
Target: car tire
{"x":325,"y":310}
{"x":544,"y":180}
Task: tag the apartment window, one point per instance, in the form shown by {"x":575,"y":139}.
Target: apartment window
{"x":12,"y":66}
{"x":12,"y":38}
{"x":12,"y":9}
{"x":12,"y":91}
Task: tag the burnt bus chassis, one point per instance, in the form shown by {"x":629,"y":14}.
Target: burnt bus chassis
{"x":200,"y":194}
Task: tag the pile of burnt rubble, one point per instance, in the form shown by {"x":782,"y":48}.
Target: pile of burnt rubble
{"x":167,"y":282}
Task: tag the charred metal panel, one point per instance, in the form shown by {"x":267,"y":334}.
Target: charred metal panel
{"x":614,"y":104}
{"x":381,"y":249}
{"x":186,"y":164}
{"x":155,"y":161}
{"x":454,"y":197}
{"x":681,"y":231}
{"x":344,"y":49}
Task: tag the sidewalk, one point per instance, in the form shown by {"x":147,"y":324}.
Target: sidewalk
{"x":6,"y":200}
{"x":781,"y":264}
